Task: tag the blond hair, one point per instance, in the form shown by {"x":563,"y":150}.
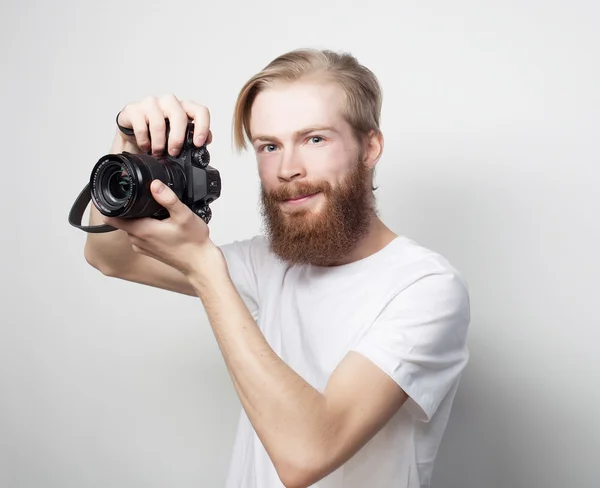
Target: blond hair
{"x":361,"y":87}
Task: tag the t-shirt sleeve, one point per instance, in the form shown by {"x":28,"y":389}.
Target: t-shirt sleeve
{"x":246,"y":260}
{"x":420,"y":339}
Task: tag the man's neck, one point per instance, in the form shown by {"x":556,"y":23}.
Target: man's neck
{"x":378,"y":236}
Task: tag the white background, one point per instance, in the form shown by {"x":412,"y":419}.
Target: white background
{"x":491,"y":117}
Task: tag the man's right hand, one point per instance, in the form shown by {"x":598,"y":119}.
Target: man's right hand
{"x":147,"y":119}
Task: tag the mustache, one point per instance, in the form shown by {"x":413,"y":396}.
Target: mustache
{"x":296,"y":190}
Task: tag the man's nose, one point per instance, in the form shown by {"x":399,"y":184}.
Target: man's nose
{"x":291,"y":166}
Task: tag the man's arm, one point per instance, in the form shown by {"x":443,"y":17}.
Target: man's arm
{"x":307,"y":434}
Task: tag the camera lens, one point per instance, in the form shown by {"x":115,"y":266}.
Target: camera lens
{"x":120,"y":184}
{"x":114,"y":184}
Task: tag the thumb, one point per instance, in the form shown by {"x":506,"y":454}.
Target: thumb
{"x":164,"y":195}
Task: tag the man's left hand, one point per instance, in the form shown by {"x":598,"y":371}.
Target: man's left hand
{"x":179,"y":241}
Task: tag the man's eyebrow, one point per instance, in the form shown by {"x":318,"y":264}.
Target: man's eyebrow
{"x":299,"y":133}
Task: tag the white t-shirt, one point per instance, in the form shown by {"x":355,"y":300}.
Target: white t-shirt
{"x":405,"y":308}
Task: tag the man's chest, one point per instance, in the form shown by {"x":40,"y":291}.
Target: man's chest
{"x":312,"y":325}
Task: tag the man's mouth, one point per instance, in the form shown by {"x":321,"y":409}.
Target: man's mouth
{"x":300,"y":198}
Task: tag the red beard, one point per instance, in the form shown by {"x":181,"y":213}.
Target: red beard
{"x":320,"y":238}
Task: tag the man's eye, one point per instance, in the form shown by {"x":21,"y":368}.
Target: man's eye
{"x":316,"y":139}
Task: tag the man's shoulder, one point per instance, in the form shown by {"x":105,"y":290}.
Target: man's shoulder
{"x":252,"y":251}
{"x":410,"y":257}
{"x":256,"y":242}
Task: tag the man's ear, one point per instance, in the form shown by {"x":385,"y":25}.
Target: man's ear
{"x":373,"y":145}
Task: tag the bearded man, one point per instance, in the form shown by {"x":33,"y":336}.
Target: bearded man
{"x":344,"y":340}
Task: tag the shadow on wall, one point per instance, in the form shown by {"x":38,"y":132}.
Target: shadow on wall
{"x":471,"y":455}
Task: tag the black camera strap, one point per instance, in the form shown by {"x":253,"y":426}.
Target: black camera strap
{"x":126,"y":130}
{"x":78,"y":209}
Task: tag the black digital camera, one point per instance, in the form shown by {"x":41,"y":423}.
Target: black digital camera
{"x":119,"y":184}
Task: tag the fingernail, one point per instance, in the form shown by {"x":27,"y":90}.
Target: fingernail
{"x":200,"y":139}
{"x":159,"y":186}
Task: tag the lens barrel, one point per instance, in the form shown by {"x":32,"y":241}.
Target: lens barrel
{"x":120,"y":184}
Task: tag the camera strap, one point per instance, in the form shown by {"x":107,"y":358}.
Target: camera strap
{"x":78,"y":209}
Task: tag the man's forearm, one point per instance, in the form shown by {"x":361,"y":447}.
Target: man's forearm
{"x":288,"y":414}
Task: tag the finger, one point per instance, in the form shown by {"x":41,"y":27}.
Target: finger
{"x":133,"y":117}
{"x":167,"y":198}
{"x":201,"y":117}
{"x":157,"y":125}
{"x":178,"y":120}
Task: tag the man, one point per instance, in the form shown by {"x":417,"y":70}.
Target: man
{"x":345,"y":342}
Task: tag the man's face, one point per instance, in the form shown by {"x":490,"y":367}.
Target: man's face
{"x":315,"y":189}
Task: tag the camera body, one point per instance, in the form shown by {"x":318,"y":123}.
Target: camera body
{"x":120,"y":183}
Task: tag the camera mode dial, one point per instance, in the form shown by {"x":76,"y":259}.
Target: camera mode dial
{"x":200,"y":157}
{"x":204,"y":212}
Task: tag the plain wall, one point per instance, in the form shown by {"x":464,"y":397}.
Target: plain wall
{"x":491,"y":118}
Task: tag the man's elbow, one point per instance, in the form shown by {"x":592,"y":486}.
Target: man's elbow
{"x":296,"y":477}
{"x":302,"y":471}
{"x":95,"y":262}
{"x":92,"y":259}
